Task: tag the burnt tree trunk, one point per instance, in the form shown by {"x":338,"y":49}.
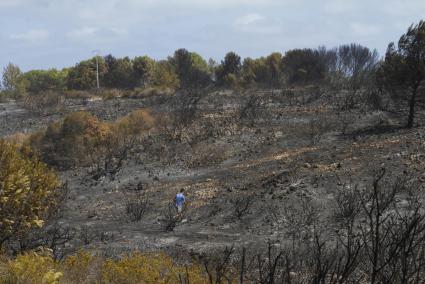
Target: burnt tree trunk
{"x":412,"y":104}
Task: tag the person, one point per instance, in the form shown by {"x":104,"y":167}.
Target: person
{"x":180,"y":200}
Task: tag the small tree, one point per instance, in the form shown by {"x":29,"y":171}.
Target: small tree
{"x":403,"y":71}
{"x":13,"y":82}
{"x":191,"y":69}
{"x":303,"y":66}
{"x":164,"y":76}
{"x":83,"y":75}
{"x":230,"y":67}
{"x":142,"y":70}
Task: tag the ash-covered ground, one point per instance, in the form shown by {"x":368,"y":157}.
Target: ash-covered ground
{"x":247,"y":164}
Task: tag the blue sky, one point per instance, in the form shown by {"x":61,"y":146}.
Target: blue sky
{"x":40,"y":34}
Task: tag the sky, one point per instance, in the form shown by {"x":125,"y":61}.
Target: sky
{"x":42,"y":34}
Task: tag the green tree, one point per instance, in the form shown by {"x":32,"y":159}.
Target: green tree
{"x":13,"y":82}
{"x":191,"y":68}
{"x":143,"y":67}
{"x":45,"y":80}
{"x":11,"y":75}
{"x":249,"y":72}
{"x":83,"y":75}
{"x":263,"y":72}
{"x":403,"y":71}
{"x":303,"y":66}
{"x":274,"y":70}
{"x":119,"y":73}
{"x":231,"y":65}
{"x":164,"y":76}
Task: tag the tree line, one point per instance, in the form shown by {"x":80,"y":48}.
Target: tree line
{"x":185,"y":69}
{"x":350,"y":67}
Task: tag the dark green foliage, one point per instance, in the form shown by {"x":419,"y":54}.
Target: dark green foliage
{"x":263,"y":72}
{"x":83,"y":75}
{"x":191,"y":69}
{"x":143,"y":70}
{"x":403,"y":71}
{"x":120,"y":73}
{"x":46,"y":80}
{"x":304,"y":66}
{"x":230,"y":66}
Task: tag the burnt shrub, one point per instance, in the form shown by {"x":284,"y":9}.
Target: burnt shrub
{"x":44,"y":104}
{"x":83,"y":140}
{"x":71,"y":142}
{"x":136,"y":206}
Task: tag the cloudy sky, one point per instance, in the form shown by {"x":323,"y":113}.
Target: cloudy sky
{"x":38,"y":34}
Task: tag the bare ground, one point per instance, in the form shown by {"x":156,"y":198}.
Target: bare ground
{"x":277,"y":161}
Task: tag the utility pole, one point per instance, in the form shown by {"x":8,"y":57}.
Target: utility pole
{"x":97,"y":67}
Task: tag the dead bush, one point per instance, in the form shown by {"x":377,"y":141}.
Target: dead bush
{"x":77,"y":94}
{"x":170,"y":218}
{"x":252,"y":109}
{"x":316,"y":128}
{"x":122,"y":137}
{"x":185,"y":107}
{"x":44,"y":104}
{"x":53,"y":237}
{"x":345,"y":119}
{"x":136,"y":206}
{"x":148,"y":92}
{"x":110,"y":94}
{"x":86,"y":235}
{"x":219,"y":266}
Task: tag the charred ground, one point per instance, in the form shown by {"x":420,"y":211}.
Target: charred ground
{"x":252,"y":165}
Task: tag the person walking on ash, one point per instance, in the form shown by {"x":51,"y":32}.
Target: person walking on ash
{"x":180,"y":200}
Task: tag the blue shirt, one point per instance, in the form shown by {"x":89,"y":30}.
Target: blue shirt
{"x":180,"y":199}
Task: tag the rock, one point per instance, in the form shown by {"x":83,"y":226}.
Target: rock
{"x":91,"y":214}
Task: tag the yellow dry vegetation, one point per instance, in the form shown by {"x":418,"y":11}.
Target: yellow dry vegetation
{"x":17,"y":138}
{"x":28,"y":190}
{"x":84,"y":267}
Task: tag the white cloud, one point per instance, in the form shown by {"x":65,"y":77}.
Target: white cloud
{"x":118,"y":31}
{"x":256,"y":24}
{"x":337,"y":7}
{"x":248,"y":19}
{"x":397,"y":8}
{"x":33,"y":36}
{"x":211,"y":27}
{"x":96,"y":33}
{"x":83,"y":32}
{"x":365,"y":30}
